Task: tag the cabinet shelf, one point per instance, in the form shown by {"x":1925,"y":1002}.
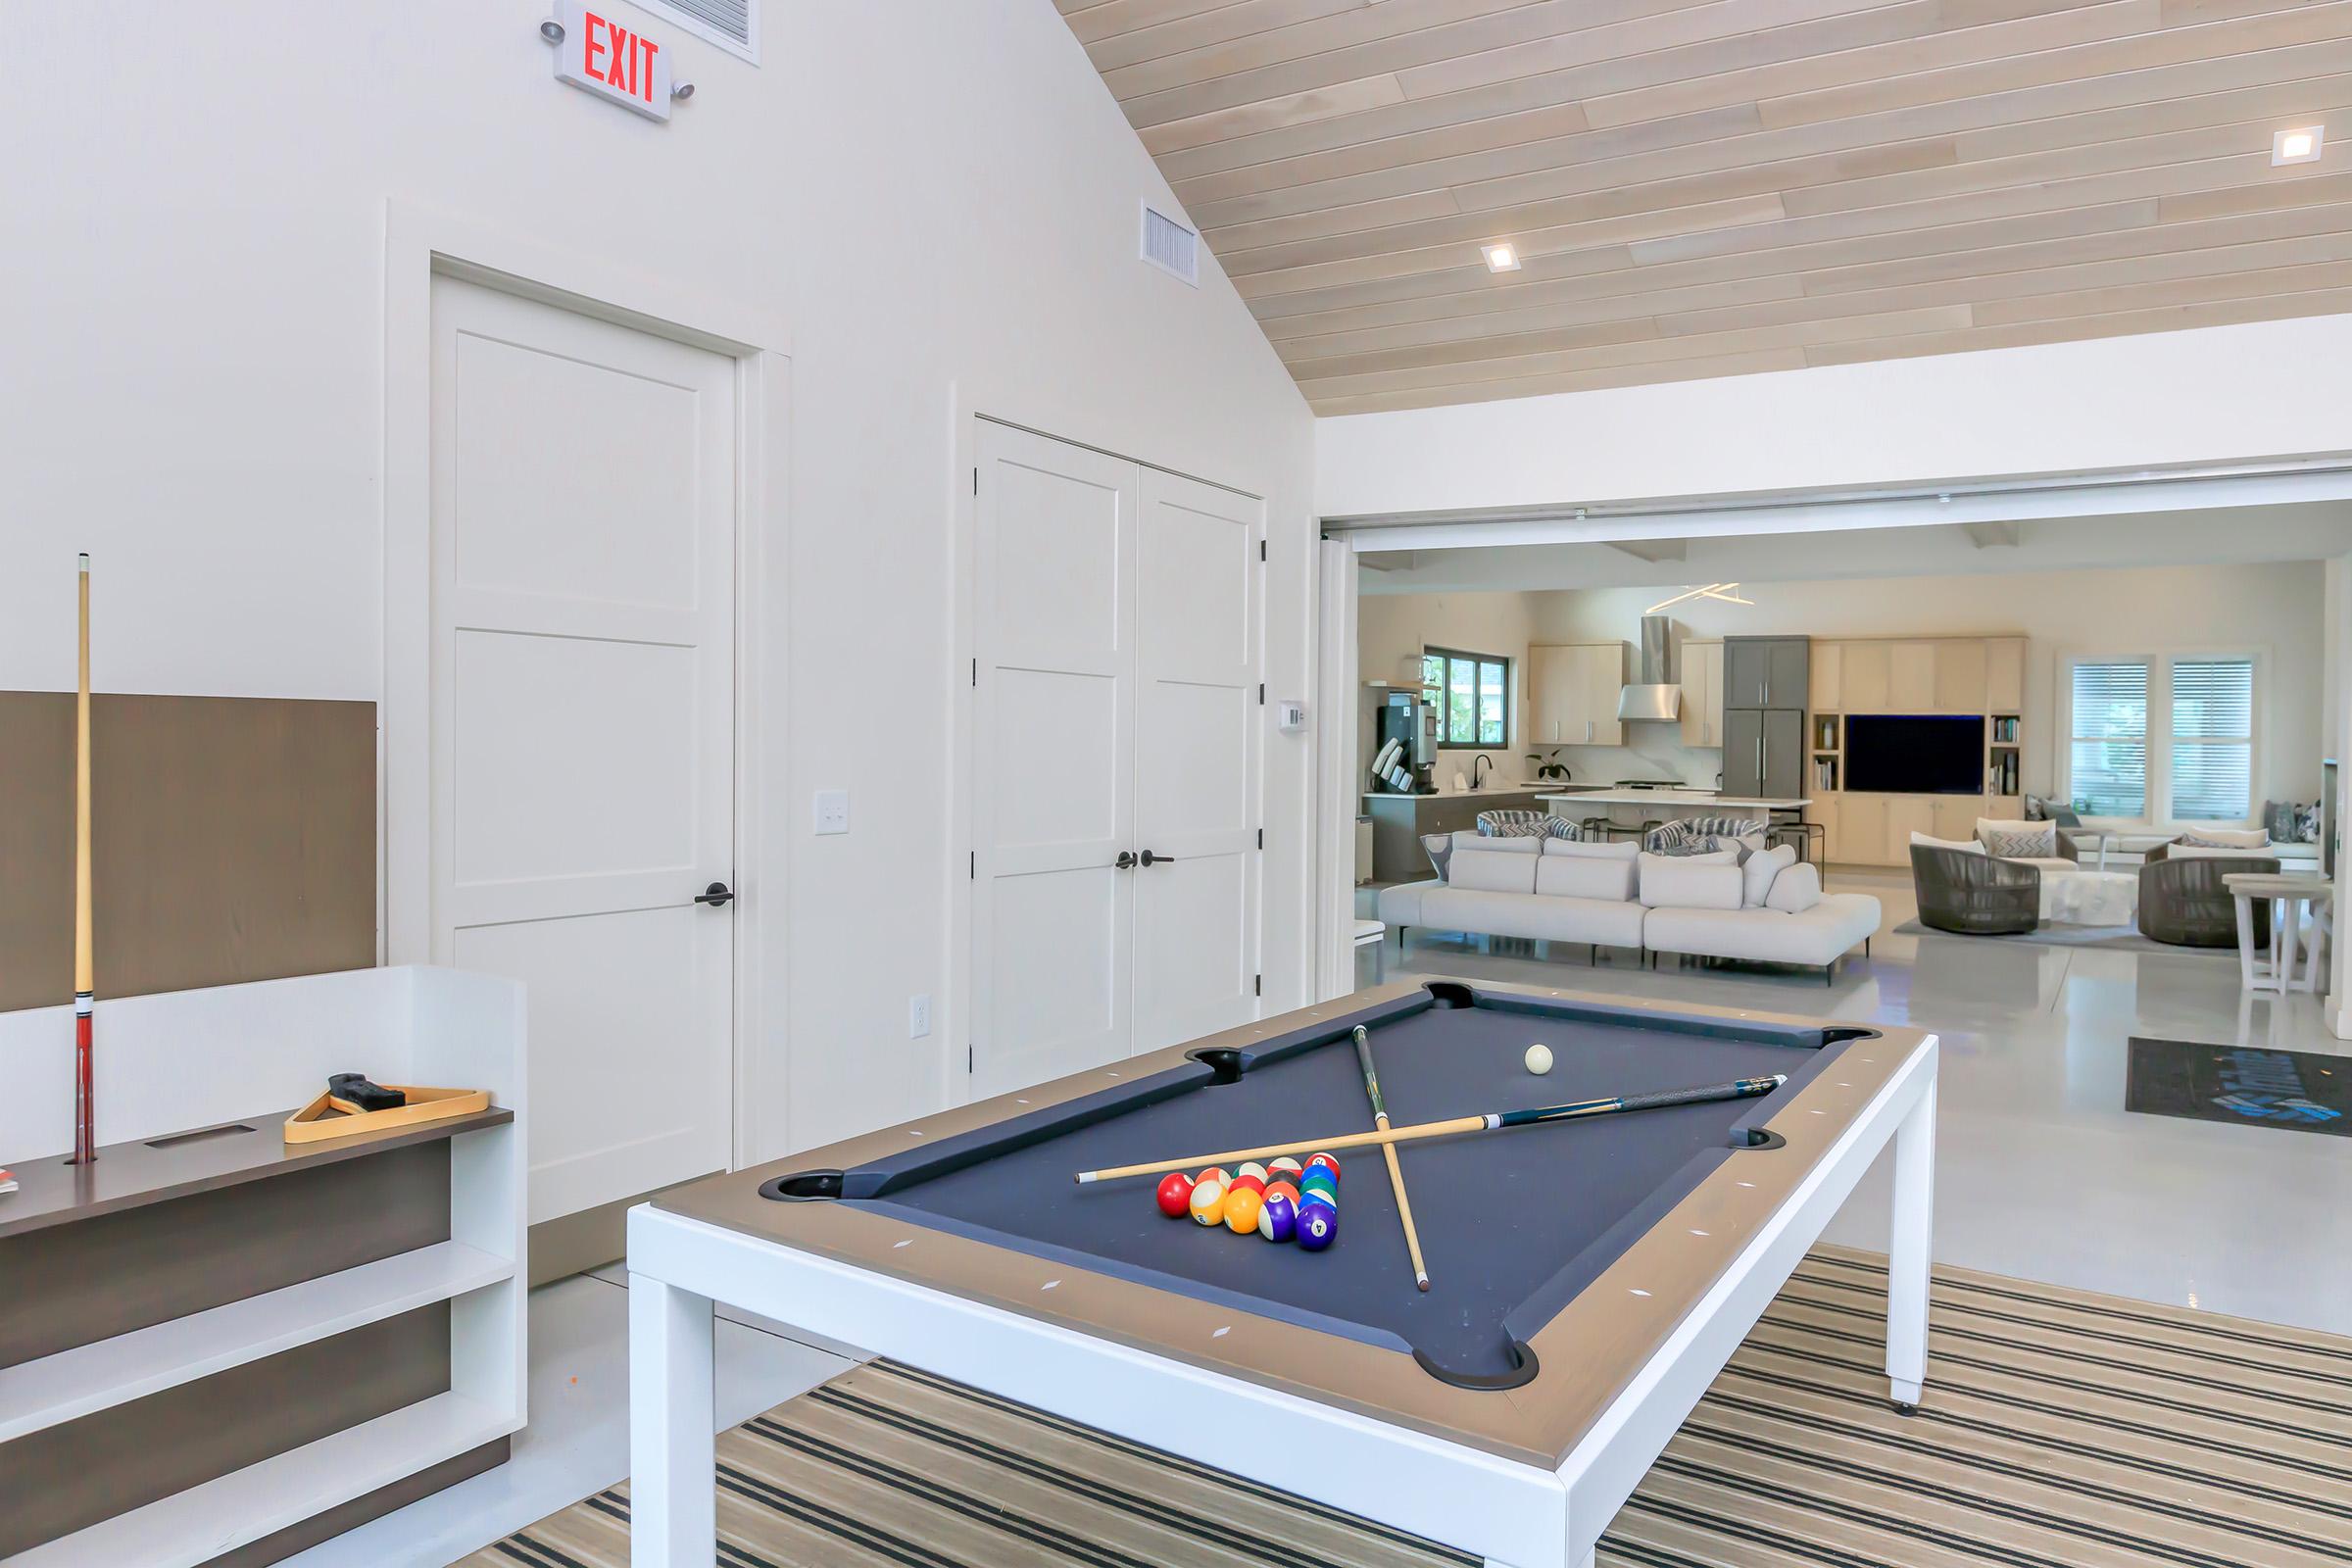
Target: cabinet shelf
{"x":200,"y":1524}
{"x":130,"y":1366}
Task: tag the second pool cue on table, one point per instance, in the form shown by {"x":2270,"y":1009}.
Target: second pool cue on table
{"x":1379,"y":1121}
{"x":1488,"y":1121}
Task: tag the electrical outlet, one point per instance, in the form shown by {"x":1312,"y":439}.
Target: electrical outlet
{"x":832,"y":810}
{"x":918,"y":1016}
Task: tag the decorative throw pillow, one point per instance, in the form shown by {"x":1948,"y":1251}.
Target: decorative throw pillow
{"x":2038,"y":809}
{"x":1514,"y":824}
{"x":1964,"y":846}
{"x":2278,"y":819}
{"x":2018,"y":840}
{"x":1559,"y":827}
{"x":1795,"y":890}
{"x":2307,"y":824}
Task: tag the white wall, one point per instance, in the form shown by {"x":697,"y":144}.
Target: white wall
{"x":938,"y":197}
{"x":1392,"y":626}
{"x":2277,"y":608}
{"x":2268,"y":388}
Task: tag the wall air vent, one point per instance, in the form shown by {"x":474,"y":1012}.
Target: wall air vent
{"x":732,"y":25}
{"x":1170,"y":246}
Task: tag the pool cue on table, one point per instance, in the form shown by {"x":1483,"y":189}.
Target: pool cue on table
{"x":85,"y":1110}
{"x":1379,"y":1121}
{"x":1737,"y":1089}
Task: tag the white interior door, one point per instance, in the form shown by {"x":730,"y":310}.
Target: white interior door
{"x":1199,"y":713}
{"x":583,"y":520}
{"x":1052,"y":799}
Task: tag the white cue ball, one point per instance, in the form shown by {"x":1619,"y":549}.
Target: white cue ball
{"x":1539,"y":1060}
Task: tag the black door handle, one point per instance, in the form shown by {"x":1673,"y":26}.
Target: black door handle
{"x":1148,"y":858}
{"x":1126,"y":859}
{"x":715,"y":895}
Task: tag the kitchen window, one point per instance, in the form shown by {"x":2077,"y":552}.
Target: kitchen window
{"x":2164,"y":738}
{"x":1472,"y":695}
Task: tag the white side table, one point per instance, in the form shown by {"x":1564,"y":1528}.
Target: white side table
{"x":1369,"y":934}
{"x":2291,"y":899}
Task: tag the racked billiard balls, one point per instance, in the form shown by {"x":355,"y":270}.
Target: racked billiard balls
{"x":1318,"y":1223}
{"x":1175,"y":1195}
{"x":1277,"y":1218}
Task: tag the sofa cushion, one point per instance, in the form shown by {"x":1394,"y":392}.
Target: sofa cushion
{"x":2013,"y":840}
{"x":1570,"y":877}
{"x":1491,"y":871}
{"x":1758,"y":870}
{"x":1822,"y":934}
{"x":1609,"y":923}
{"x":1795,"y":890}
{"x":1498,"y":846}
{"x":1399,"y":902}
{"x":1593,"y":849}
{"x":1965,"y":846}
{"x":1690,"y":882}
{"x":2221,"y":838}
{"x":2184,"y":850}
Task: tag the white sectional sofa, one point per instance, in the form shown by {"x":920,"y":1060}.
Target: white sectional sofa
{"x":1772,"y":910}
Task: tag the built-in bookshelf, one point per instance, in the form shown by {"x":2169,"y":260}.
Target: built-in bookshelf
{"x":1827,"y":752}
{"x":2003,"y":756}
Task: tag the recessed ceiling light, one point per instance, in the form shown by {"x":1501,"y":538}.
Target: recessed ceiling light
{"x":1500,"y":258}
{"x":2300,"y":145}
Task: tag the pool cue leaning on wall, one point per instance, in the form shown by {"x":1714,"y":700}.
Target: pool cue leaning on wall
{"x":1487,"y":1122}
{"x":85,"y":985}
{"x":1379,"y":1121}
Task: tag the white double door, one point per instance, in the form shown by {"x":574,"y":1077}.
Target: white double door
{"x":583,"y":549}
{"x":1117,"y":718}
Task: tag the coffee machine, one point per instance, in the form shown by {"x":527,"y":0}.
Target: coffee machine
{"x":1408,"y":739}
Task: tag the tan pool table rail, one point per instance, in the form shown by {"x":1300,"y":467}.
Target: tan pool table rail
{"x":1588,"y":1353}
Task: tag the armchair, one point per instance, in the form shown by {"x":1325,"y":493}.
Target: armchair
{"x":1975,"y":895}
{"x":2183,"y":901}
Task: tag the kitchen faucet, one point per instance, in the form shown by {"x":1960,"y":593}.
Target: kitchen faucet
{"x":1481,"y":760}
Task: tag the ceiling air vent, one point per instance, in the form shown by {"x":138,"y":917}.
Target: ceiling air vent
{"x":732,"y":25}
{"x":1170,"y":246}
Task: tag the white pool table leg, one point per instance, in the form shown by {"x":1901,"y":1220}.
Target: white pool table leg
{"x":1907,"y":1251}
{"x":673,"y":1509}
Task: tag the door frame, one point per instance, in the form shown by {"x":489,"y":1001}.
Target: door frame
{"x":966,"y":410}
{"x":419,"y":244}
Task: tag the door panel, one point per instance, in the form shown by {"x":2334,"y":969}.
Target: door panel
{"x":583,"y":518}
{"x":1867,"y":677}
{"x":1743,"y":751}
{"x":1911,"y":677}
{"x":1198,"y":720}
{"x":1785,"y":673}
{"x":1960,"y":676}
{"x":1784,"y":754}
{"x":1052,"y":795}
{"x":1745,"y":672}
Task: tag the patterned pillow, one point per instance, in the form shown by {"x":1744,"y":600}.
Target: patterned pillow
{"x":1510,"y":824}
{"x":2290,"y":823}
{"x":1687,"y":828}
{"x":1712,"y":845}
{"x":2307,"y":824}
{"x":2039,"y":844}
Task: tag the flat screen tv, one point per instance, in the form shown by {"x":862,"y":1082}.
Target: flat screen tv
{"x":1905,"y":754}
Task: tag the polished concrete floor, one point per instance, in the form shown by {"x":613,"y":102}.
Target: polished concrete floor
{"x":2041,"y":1171}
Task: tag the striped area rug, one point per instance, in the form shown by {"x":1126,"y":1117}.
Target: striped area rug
{"x":2061,"y":1430}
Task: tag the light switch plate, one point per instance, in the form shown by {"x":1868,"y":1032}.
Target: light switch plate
{"x":918,"y":1015}
{"x":832,"y":810}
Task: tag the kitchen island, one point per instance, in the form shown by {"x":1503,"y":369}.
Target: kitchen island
{"x":1399,"y":820}
{"x":1631,"y":807}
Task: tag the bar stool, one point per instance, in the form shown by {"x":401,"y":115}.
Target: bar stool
{"x":1810,"y":838}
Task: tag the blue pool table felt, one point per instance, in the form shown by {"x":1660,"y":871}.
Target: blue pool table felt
{"x":1513,"y":1224}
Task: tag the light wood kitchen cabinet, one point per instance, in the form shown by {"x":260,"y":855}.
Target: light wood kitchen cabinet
{"x":1907,"y":815}
{"x":1865,"y":679}
{"x":1572,"y":693}
{"x":2004,"y":674}
{"x":1828,"y":661}
{"x":1955,"y":817}
{"x":1960,"y":676}
{"x":1826,"y":810}
{"x":1862,"y":829}
{"x":1911,"y":677}
{"x":1702,"y":694}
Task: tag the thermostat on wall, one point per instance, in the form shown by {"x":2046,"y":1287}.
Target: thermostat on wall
{"x":1289,"y":713}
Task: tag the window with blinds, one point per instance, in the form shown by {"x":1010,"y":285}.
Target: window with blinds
{"x":1472,"y":692}
{"x":2109,"y":747}
{"x":2213,"y":739}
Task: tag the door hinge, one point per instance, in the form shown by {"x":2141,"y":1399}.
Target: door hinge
{"x":970,"y":1060}
{"x":1261,"y":550}
{"x":1258,"y":985}
{"x":975,"y":481}
{"x":1261,"y":837}
{"x":973,"y":870}
{"x":976,"y":673}
{"x":1261,"y":694}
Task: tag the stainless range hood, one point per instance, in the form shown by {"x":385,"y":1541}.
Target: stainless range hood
{"x":1658,"y":695}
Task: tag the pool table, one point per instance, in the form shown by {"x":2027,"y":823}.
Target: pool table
{"x":1588,"y":1278}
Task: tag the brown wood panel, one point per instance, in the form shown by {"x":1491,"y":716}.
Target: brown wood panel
{"x":62,"y":1478}
{"x":234,"y":838}
{"x":1720,"y":170}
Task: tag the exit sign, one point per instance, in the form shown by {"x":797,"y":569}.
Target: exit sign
{"x":605,"y":56}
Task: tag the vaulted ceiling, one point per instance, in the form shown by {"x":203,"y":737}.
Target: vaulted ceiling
{"x":1717,"y":189}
